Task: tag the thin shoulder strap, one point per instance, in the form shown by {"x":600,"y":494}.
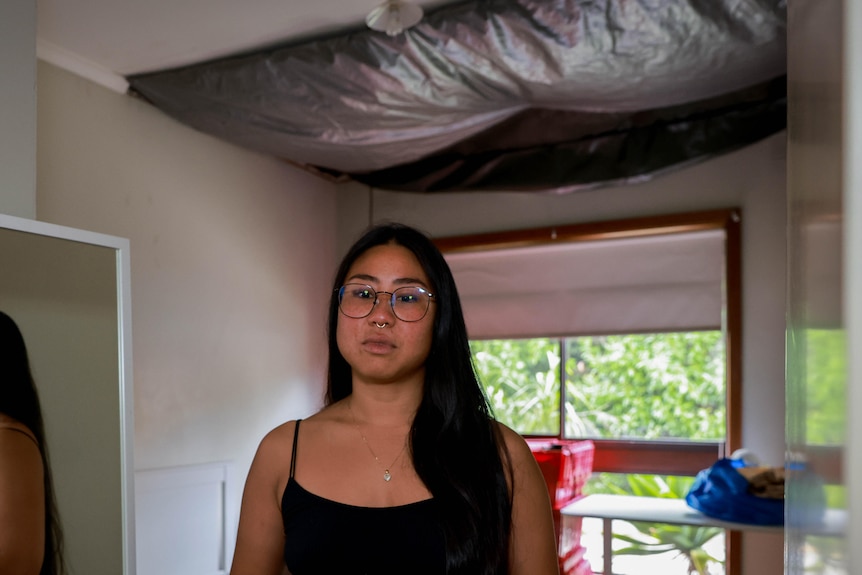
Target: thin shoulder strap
{"x":293,"y":453}
{"x":22,"y":430}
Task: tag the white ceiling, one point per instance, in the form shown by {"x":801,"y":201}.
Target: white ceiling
{"x":106,"y":40}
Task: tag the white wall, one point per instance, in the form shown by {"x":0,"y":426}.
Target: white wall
{"x":231,"y":259}
{"x":18,"y":112}
{"x":752,"y":178}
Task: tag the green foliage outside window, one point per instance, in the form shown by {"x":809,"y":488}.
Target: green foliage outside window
{"x":648,"y":386}
{"x":522,"y":380}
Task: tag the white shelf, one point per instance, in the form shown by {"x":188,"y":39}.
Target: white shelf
{"x":673,"y":511}
{"x":653,"y":510}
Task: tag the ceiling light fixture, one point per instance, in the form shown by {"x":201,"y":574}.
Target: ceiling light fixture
{"x":393,"y":17}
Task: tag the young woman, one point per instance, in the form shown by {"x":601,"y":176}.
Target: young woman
{"x":404,"y":471}
{"x":30,"y":533}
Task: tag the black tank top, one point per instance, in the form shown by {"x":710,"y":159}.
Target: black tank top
{"x":324,"y":537}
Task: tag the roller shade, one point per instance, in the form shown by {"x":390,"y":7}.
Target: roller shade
{"x":662,"y":283}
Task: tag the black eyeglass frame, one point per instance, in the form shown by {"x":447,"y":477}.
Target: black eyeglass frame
{"x":339,"y":293}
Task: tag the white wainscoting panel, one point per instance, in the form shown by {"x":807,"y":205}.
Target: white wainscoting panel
{"x":181,"y":520}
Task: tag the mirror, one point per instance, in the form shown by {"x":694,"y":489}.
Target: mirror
{"x":68,"y":291}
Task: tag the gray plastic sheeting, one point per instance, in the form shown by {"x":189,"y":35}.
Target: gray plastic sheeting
{"x":644,"y":85}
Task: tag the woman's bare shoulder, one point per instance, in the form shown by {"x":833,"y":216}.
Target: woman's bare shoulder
{"x":22,"y":500}
{"x":283,"y":431}
{"x":19,"y":451}
{"x":273,"y":459}
{"x":271,"y":464}
{"x":533,"y":548}
{"x":13,"y":432}
{"x":517,"y":447}
{"x":279,"y":441}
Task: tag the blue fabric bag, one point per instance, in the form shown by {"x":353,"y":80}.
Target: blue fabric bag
{"x":722,"y":492}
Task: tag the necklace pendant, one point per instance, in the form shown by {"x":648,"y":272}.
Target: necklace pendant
{"x":386,"y":475}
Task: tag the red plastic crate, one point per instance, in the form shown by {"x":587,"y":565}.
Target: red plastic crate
{"x":582,"y":567}
{"x":570,"y":532}
{"x":566,"y":466}
{"x":571,"y":554}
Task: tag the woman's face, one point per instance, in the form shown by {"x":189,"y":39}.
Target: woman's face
{"x":396,"y":352}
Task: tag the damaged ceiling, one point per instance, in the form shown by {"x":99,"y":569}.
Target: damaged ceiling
{"x":513,"y":95}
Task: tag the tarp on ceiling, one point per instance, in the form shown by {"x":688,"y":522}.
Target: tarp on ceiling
{"x":503,"y":95}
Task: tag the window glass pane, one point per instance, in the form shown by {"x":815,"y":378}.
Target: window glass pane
{"x":647,"y":386}
{"x":522,"y":380}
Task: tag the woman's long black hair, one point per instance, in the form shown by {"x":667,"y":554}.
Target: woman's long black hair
{"x":457,"y":448}
{"x":20,"y":401}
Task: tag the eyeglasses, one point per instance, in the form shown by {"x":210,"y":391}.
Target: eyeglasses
{"x":408,"y":303}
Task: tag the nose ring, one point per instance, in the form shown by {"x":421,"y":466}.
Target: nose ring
{"x":381,"y":325}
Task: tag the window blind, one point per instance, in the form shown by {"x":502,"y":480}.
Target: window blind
{"x":672,"y":282}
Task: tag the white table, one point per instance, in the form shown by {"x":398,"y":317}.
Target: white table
{"x":650,"y":510}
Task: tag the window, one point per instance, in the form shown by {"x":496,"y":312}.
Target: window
{"x":660,"y":386}
{"x":672,"y":274}
{"x":626,"y":333}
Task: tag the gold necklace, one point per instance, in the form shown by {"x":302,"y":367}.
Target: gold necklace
{"x":387,"y":476}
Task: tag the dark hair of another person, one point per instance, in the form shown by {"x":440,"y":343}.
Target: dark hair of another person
{"x":457,"y":448}
{"x":20,"y":400}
